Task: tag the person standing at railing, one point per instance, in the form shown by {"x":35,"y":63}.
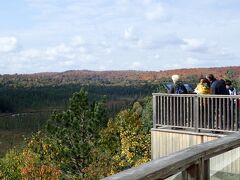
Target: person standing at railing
{"x":177,"y":87}
{"x":203,"y":87}
{"x":218,"y":87}
{"x":230,"y":88}
{"x":232,"y":91}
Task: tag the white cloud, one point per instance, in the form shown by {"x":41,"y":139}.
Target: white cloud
{"x":128,"y":33}
{"x":155,"y":13}
{"x":77,"y":41}
{"x":108,"y":50}
{"x":60,"y":57}
{"x":68,"y":63}
{"x":58,"y":51}
{"x":158,"y":42}
{"x":146,"y":2}
{"x":8,"y":44}
{"x":30,"y":53}
{"x":136,"y":65}
{"x":192,"y":61}
{"x":157,"y":56}
{"x":81,"y":50}
{"x":102,"y":68}
{"x":169,"y":40}
{"x":194,"y":45}
{"x":171,"y":66}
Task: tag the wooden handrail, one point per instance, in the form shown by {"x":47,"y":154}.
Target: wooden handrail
{"x":192,"y":161}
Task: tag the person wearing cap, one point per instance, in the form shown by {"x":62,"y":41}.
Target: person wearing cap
{"x":177,"y":87}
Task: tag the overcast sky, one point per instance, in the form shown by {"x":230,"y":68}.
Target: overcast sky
{"x":60,"y":35}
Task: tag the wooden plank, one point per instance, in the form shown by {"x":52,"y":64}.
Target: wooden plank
{"x":200,"y":112}
{"x":228,"y":115}
{"x":196,"y":113}
{"x":179,"y":110}
{"x":192,"y":172}
{"x":232,"y":116}
{"x":166,"y":142}
{"x":157,"y":110}
{"x":164,"y":110}
{"x":176,"y":111}
{"x":161,"y":110}
{"x":198,"y":171}
{"x":225,"y":119}
{"x":154,"y":112}
{"x":206,"y":170}
{"x":216,"y":113}
{"x":213,"y":114}
{"x":168,"y":119}
{"x":184,"y":111}
{"x":236,"y":113}
{"x":220,"y":114}
{"x":179,"y":161}
{"x":152,"y":143}
{"x":209,"y":118}
{"x":192,"y":113}
{"x":205,"y":112}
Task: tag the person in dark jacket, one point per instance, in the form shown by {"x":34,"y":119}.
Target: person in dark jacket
{"x":178,"y":87}
{"x":217,"y":87}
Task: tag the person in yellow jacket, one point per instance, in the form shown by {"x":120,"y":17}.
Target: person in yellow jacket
{"x":203,"y":87}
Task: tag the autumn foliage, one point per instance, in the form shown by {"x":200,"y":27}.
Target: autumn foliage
{"x":86,"y":76}
{"x":81,"y":143}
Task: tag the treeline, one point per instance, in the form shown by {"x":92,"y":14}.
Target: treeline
{"x":37,"y":98}
{"x":26,"y":110}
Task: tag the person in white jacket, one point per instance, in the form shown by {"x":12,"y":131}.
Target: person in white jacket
{"x":230,"y":88}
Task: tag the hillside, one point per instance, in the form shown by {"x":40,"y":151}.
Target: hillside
{"x":85,"y":76}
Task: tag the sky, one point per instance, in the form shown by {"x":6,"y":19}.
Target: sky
{"x":149,"y":35}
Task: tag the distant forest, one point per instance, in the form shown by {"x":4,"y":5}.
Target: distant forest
{"x":17,"y":100}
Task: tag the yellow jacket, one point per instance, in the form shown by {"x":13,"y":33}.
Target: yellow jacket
{"x":202,"y":88}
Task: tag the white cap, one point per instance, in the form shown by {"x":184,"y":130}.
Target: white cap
{"x":175,"y":78}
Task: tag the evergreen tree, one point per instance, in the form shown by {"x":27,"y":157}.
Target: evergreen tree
{"x":75,"y":131}
{"x":123,"y":144}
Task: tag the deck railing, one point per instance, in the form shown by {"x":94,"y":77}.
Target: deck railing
{"x":191,"y":163}
{"x":198,"y":112}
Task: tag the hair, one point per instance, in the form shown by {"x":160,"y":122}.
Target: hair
{"x":201,"y":79}
{"x":228,"y":82}
{"x":175,"y":78}
{"x":210,"y":77}
{"x":205,"y":81}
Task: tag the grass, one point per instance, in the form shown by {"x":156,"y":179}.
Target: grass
{"x":11,"y":139}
